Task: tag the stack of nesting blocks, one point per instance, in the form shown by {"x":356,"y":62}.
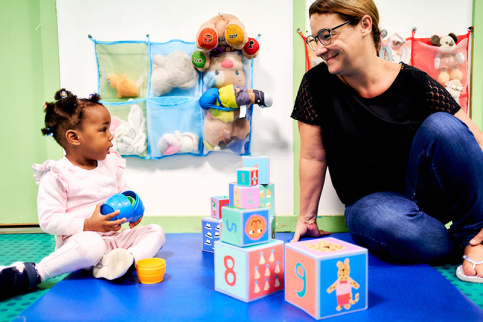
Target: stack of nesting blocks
{"x":248,"y":262}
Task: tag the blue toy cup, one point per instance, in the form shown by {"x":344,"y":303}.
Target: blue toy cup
{"x":128,"y":203}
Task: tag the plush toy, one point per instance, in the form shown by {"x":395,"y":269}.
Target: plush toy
{"x":224,"y":33}
{"x":447,"y":60}
{"x":129,"y":136}
{"x":173,"y":71}
{"x":400,"y":52}
{"x":223,"y":56}
{"x":177,"y":142}
{"x":454,"y":87}
{"x":125,"y":87}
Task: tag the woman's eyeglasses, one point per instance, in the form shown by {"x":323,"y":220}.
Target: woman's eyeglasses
{"x":324,"y":36}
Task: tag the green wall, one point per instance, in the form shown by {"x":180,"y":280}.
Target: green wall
{"x":477,"y":65}
{"x":29,"y":71}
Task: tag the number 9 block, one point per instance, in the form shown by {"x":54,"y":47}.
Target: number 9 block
{"x":326,"y":277}
{"x":245,"y":227}
{"x":249,"y":273}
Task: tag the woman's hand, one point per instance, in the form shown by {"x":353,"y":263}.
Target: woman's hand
{"x":307,"y":229}
{"x":477,"y":239}
{"x":103,"y":223}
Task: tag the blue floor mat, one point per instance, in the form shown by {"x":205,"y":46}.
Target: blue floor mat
{"x":396,"y":293}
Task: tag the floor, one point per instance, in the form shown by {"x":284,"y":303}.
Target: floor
{"x":33,"y":247}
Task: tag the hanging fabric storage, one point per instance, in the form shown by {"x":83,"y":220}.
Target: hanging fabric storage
{"x":444,"y":58}
{"x":152,"y":91}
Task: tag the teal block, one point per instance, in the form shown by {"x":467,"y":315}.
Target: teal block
{"x":262,"y":162}
{"x":267,"y":197}
{"x":245,"y":227}
{"x":247,"y":176}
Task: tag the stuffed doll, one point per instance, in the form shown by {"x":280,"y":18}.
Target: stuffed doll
{"x":172,"y":143}
{"x":173,"y":71}
{"x":125,"y":87}
{"x":224,"y":51}
{"x":129,"y":136}
{"x":447,"y":60}
{"x":400,"y":52}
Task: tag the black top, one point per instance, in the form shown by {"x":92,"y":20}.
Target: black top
{"x":367,"y":140}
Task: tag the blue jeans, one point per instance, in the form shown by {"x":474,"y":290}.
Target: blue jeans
{"x":444,"y":182}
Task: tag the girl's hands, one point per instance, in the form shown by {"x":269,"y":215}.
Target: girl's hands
{"x":134,"y":224}
{"x":307,"y":229}
{"x":103,"y":223}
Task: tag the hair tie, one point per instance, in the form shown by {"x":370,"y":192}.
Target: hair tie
{"x":50,"y":132}
{"x":45,"y":106}
{"x":63,"y":94}
{"x":91,"y":96}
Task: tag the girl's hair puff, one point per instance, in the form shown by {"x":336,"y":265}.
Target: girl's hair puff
{"x":66,"y":113}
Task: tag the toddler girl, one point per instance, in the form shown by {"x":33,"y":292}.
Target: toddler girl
{"x":71,"y":192}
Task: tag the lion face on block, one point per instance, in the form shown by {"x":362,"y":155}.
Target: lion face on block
{"x":255,"y":227}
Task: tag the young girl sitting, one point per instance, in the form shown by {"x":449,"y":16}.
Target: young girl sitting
{"x":71,"y":192}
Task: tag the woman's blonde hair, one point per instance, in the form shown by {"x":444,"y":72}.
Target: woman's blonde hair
{"x":352,"y":10}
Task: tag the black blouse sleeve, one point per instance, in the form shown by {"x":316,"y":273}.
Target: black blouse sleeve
{"x":304,"y":109}
{"x":439,"y":99}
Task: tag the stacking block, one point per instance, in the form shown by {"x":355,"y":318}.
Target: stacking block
{"x":326,"y":277}
{"x":267,"y":197}
{"x":231,"y":193}
{"x":216,"y":204}
{"x":273,"y":226}
{"x":249,"y":273}
{"x":245,"y":227}
{"x":246,"y":197}
{"x":262,"y":163}
{"x":210,"y":232}
{"x":247,"y":176}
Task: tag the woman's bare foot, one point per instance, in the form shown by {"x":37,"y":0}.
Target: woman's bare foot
{"x":476,"y":254}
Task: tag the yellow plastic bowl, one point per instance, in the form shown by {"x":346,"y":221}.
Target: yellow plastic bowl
{"x":151,"y":270}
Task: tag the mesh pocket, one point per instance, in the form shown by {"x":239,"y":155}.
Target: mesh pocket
{"x":128,"y":126}
{"x":174,"y":126}
{"x":172,"y":72}
{"x":123,"y":69}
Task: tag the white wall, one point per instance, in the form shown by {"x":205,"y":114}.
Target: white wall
{"x":182,"y":185}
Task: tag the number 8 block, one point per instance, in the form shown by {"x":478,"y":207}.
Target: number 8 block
{"x":326,"y":277}
{"x":249,"y":273}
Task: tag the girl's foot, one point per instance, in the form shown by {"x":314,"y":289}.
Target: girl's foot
{"x":19,"y":278}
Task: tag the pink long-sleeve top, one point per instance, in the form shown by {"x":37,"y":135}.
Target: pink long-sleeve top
{"x":69,"y":194}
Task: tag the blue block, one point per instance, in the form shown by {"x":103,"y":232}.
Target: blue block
{"x":261,"y":162}
{"x":210,"y":232}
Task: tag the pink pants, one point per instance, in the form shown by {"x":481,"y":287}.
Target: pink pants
{"x":84,"y":250}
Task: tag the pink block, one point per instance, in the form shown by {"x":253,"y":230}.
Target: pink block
{"x":247,"y":197}
{"x":216,"y":204}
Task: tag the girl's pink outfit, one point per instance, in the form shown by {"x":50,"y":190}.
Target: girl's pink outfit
{"x":67,"y":196}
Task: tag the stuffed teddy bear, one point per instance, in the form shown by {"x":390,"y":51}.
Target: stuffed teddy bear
{"x":224,"y":51}
{"x":173,"y":71}
{"x":400,"y":52}
{"x":447,"y":60}
{"x":125,"y":87}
